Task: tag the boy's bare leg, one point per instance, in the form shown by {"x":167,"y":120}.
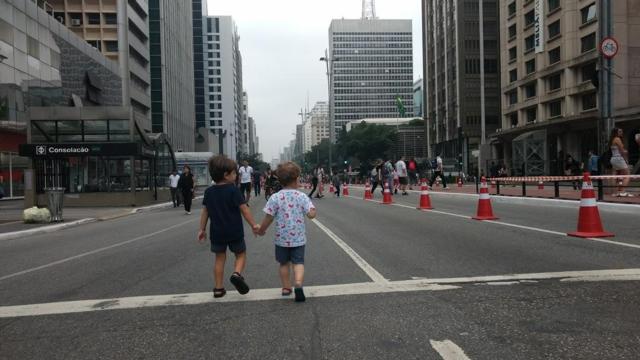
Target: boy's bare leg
{"x":241,"y":260}
{"x":298,"y":274}
{"x":285,"y":276}
{"x":218,"y":270}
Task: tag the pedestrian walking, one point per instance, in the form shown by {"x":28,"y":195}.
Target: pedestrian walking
{"x":174,"y":178}
{"x":224,"y":205}
{"x":187,"y":187}
{"x":403,"y":175}
{"x":245,"y":173}
{"x":387,"y":175}
{"x":375,"y":176}
{"x":572,"y":168}
{"x":438,"y":170}
{"x":289,"y":209}
{"x":337,"y":182}
{"x":619,"y":161}
{"x":257,"y":183}
{"x":412,"y":166}
{"x":314,"y":180}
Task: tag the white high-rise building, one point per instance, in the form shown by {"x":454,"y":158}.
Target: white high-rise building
{"x":224,"y":104}
{"x":316,"y":126}
{"x":372,"y":66}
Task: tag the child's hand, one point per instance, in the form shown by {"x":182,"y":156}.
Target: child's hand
{"x":201,"y":236}
{"x":256,"y":230}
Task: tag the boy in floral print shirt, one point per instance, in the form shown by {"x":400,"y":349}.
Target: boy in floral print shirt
{"x":289,"y":207}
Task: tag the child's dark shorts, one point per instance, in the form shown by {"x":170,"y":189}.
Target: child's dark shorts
{"x":235,"y":246}
{"x":294,"y":255}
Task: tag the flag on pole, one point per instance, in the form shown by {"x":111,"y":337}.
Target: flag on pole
{"x":400,"y":106}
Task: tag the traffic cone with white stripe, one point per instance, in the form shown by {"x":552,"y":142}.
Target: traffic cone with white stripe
{"x":367,"y":192}
{"x":540,"y":185}
{"x":345,"y":190}
{"x":485,"y":211}
{"x":332,"y":189}
{"x":425,"y":200}
{"x":386,"y":197}
{"x":589,"y":224}
{"x":459,"y":182}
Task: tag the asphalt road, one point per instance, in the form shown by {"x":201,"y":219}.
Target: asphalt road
{"x":384,"y":282}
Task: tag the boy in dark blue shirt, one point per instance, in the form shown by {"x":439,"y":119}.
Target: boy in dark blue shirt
{"x":223,"y":204}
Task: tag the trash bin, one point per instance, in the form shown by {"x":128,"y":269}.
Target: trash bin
{"x":55,"y":197}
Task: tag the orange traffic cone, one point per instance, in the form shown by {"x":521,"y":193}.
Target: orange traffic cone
{"x":332,"y":189}
{"x":459,"y":182}
{"x":367,"y":192}
{"x":589,"y":224}
{"x":540,"y":185}
{"x":425,"y":200}
{"x":493,"y":185}
{"x":345,"y":190}
{"x":386,"y":197}
{"x":485,"y":211}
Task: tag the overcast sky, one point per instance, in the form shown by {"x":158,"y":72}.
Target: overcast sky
{"x":281,"y":43}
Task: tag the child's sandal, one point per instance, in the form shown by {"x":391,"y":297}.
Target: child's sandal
{"x":286,"y":291}
{"x":218,"y":293}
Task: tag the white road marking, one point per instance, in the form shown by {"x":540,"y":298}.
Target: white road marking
{"x":362,"y":263}
{"x":69,"y":307}
{"x":605,"y":241}
{"x":448,"y":350}
{"x":62,"y":261}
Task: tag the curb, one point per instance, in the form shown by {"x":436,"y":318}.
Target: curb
{"x":58,"y":227}
{"x":45,"y":229}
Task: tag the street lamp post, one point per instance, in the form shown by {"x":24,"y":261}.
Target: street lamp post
{"x":329,"y":63}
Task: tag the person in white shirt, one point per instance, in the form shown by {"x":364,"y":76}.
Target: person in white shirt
{"x":403,"y":175}
{"x":173,"y":187}
{"x":246,"y":174}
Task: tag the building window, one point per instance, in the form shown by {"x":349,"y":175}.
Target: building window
{"x":554,"y":55}
{"x":529,"y":18}
{"x":589,"y":101}
{"x":588,"y":71}
{"x":529,"y":43}
{"x":588,"y":13}
{"x":588,"y":42}
{"x":554,"y":29}
{"x":532,"y":114}
{"x":512,"y":31}
{"x":514,"y":119}
{"x":554,"y":82}
{"x":33,"y":47}
{"x":93,"y":18}
{"x":512,"y":97}
{"x":513,"y":53}
{"x":110,"y":19}
{"x":553,"y":4}
{"x":530,"y":66}
{"x":513,"y":75}
{"x":111,"y":46}
{"x":512,"y":8}
{"x":530,"y":90}
{"x":555,"y":109}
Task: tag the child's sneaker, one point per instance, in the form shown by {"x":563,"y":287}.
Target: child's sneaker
{"x":238,"y":281}
{"x":299,"y":295}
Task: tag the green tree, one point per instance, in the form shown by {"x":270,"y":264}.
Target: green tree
{"x":255,"y":160}
{"x":416,"y":122}
{"x":367,"y":142}
{"x":319,"y":155}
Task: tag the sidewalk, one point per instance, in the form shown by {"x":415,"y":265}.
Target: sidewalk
{"x":11,"y":215}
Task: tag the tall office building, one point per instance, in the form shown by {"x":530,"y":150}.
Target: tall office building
{"x":315,"y":126}
{"x":244,"y":125}
{"x":253,"y":138}
{"x":223,"y":82}
{"x":172,"y":74}
{"x":199,"y":9}
{"x":372,"y":65}
{"x":550,"y":107}
{"x":107,"y":25}
{"x":452,"y":82}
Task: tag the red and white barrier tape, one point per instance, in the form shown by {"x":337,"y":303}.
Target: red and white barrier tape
{"x":537,"y":179}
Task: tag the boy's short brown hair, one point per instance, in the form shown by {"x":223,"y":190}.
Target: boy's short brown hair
{"x":219,"y":166}
{"x":288,"y":173}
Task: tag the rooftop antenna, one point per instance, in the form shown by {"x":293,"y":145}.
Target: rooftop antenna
{"x":369,"y":10}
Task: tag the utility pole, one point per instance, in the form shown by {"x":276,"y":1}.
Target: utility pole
{"x":483,"y":139}
{"x":329,"y":63}
{"x":605,"y":89}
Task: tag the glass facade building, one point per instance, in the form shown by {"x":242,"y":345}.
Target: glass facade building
{"x":372,"y":66}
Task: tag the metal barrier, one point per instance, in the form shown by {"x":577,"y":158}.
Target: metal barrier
{"x":557,"y":180}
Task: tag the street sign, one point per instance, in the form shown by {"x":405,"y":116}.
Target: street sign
{"x":609,"y":47}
